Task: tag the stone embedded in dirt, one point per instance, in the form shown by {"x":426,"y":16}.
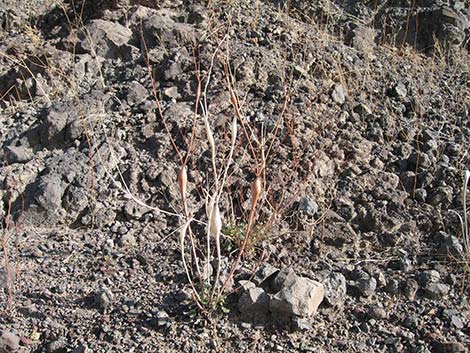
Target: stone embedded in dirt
{"x":428,"y":276}
{"x":162,"y":319}
{"x":362,"y":109}
{"x":134,"y":210}
{"x":104,"y":216}
{"x":335,"y":288}
{"x":57,"y":346}
{"x":436,"y":291}
{"x":421,"y":195}
{"x":323,"y":166}
{"x":453,"y":149}
{"x":105,"y":39}
{"x":448,"y":24}
{"x":160,"y":30}
{"x":377,"y":313}
{"x":419,"y":160}
{"x":441,"y":196}
{"x":103,"y":297}
{"x":298,"y":296}
{"x":80,"y":349}
{"x":412,"y":321}
{"x":393,"y":286}
{"x":400,"y":90}
{"x":308,"y":206}
{"x":457,"y":322}
{"x":9,"y":342}
{"x":53,"y":128}
{"x":339,"y":94}
{"x":49,"y":192}
{"x":136,"y":93}
{"x":362,"y":283}
{"x":254,"y":304}
{"x":171,"y":92}
{"x":127,"y":239}
{"x":18,"y":154}
{"x":454,"y":317}
{"x":63,"y":120}
{"x":75,"y":200}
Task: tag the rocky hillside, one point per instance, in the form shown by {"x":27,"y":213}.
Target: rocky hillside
{"x":352,"y":118}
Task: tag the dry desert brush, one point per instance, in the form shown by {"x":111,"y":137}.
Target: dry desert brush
{"x":209,"y":269}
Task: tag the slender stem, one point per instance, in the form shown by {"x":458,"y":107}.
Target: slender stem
{"x":157,"y":101}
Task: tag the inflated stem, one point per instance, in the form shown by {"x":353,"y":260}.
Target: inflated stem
{"x":215,"y":222}
{"x":256,"y":189}
{"x":183,"y":181}
{"x":215,"y":229}
{"x":183,"y":185}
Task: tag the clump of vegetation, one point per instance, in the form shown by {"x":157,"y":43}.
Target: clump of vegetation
{"x":235,"y":236}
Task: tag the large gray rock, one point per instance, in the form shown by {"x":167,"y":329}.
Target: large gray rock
{"x":106,"y":39}
{"x":18,"y":154}
{"x":62,"y":192}
{"x":160,"y":29}
{"x":63,"y":121}
{"x":49,"y":192}
{"x":298,"y":296}
{"x":449,"y":25}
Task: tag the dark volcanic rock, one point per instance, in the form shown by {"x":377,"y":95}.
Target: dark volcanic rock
{"x":106,"y":39}
{"x":360,"y":148}
{"x":18,"y":154}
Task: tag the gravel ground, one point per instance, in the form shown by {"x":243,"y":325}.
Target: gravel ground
{"x":360,"y":113}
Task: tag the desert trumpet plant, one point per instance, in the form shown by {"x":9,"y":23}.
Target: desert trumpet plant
{"x":212,"y":205}
{"x":201,"y":254}
{"x":214,"y":222}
